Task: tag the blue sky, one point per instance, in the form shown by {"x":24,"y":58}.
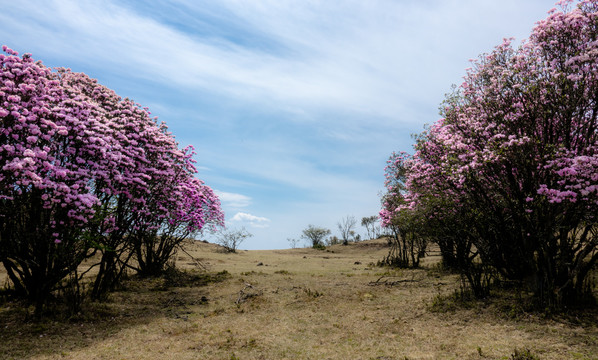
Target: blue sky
{"x":292,"y":106}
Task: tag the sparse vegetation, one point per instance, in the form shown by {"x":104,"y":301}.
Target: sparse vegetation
{"x":346,"y":227}
{"x":524,"y":354}
{"x":315,"y":236}
{"x":333,"y":240}
{"x":231,"y":239}
{"x":303,"y":300}
{"x":293,"y":242}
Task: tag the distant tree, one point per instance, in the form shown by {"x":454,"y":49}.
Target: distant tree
{"x":381,"y":231}
{"x":293,"y":242}
{"x":333,"y":240}
{"x":369,"y":222}
{"x":346,"y":226}
{"x":315,"y":235}
{"x":231,"y":239}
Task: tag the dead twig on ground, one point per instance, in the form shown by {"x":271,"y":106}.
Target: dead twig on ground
{"x":244,"y":295}
{"x":195,"y":260}
{"x":392,"y":283}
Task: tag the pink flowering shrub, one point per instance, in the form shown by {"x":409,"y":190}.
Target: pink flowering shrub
{"x":157,"y":201}
{"x":514,"y":161}
{"x":82,"y":170}
{"x":408,"y":242}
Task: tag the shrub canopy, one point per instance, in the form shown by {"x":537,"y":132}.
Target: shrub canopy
{"x":512,"y":167}
{"x":82,"y":169}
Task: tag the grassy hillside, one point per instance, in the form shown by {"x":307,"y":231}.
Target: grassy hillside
{"x":297,"y":304}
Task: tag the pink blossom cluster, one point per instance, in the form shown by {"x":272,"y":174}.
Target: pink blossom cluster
{"x":521,"y":128}
{"x":507,"y":180}
{"x":77,"y":151}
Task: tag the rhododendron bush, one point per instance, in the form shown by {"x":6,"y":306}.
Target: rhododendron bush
{"x":81,"y":171}
{"x":507,"y":181}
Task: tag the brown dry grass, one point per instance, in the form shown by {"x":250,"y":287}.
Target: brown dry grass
{"x":302,"y":304}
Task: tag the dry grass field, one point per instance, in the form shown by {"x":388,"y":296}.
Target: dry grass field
{"x":297,"y":304}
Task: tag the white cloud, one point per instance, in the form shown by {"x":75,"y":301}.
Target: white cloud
{"x":233,"y":200}
{"x":372,"y":58}
{"x":251,"y":220}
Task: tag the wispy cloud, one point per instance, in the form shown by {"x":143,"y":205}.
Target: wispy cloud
{"x":251,"y":220}
{"x":330,"y":55}
{"x":233,"y":200}
{"x":376,"y":58}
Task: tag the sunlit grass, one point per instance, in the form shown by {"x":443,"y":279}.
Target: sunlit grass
{"x":298,"y":304}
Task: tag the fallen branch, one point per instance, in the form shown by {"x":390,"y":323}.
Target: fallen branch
{"x":244,"y":296}
{"x":197,"y":262}
{"x":391,"y":283}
